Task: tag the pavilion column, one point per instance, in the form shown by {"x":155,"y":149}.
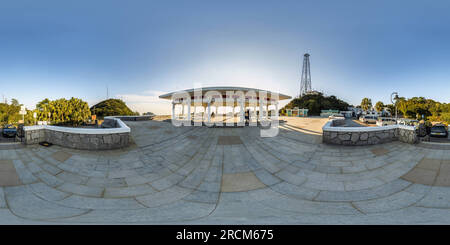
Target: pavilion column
{"x":173,"y":111}
{"x":241,"y":109}
{"x":260,"y":110}
{"x":209,"y":112}
{"x":189,"y":113}
{"x":233,"y":112}
{"x":276,"y":109}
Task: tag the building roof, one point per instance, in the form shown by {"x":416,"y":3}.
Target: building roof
{"x":222,"y":90}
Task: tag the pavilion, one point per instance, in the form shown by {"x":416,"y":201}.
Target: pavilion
{"x":207,"y":97}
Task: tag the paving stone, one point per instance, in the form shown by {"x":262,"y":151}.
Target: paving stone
{"x":229,"y":140}
{"x":131,"y":191}
{"x":295,"y":191}
{"x":431,"y":164}
{"x":328,"y":169}
{"x":50,"y":168}
{"x":418,"y":189}
{"x":267,"y":178}
{"x":9,"y":178}
{"x":420,"y":176}
{"x":25,"y":176}
{"x":61,"y":156}
{"x":209,"y":186}
{"x":136,"y":180}
{"x":203,"y":197}
{"x":72,"y":178}
{"x":305,"y":206}
{"x":240,"y":182}
{"x":362,"y":184}
{"x":379,"y":151}
{"x":106,"y":182}
{"x":122,"y":173}
{"x":48,"y":193}
{"x":167,"y":182}
{"x":163,"y":197}
{"x":84,"y":202}
{"x":326,"y":185}
{"x":24,"y":204}
{"x":443,"y":178}
{"x":396,"y":201}
{"x":436,"y":197}
{"x":2,"y":198}
{"x":81,"y":189}
{"x":290,"y":177}
{"x":49,"y":179}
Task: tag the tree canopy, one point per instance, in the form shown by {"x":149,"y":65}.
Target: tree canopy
{"x":112,"y":107}
{"x":9,"y":113}
{"x":366,"y":104}
{"x":379,"y":106}
{"x":62,"y":111}
{"x":58,"y":112}
{"x":317,"y":102}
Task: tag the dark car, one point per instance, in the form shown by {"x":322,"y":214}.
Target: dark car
{"x":439,"y":130}
{"x":9,"y":131}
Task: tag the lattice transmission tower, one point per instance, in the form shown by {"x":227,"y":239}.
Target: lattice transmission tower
{"x":305,"y":84}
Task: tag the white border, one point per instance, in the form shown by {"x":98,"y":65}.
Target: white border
{"x":123,"y":128}
{"x":328,"y":127}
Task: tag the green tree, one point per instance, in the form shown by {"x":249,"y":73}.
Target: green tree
{"x":63,"y":112}
{"x":379,"y":106}
{"x":112,"y":107}
{"x":317,"y":102}
{"x":366,"y":104}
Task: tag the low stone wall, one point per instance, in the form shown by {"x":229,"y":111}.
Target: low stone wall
{"x":88,"y":141}
{"x":80,"y":138}
{"x":407,"y":135}
{"x":34,"y":135}
{"x":367,"y":135}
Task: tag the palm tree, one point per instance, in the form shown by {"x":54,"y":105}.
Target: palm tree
{"x":379,"y":106}
{"x":366,"y":104}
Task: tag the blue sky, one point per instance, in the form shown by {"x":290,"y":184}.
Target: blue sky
{"x":141,"y":49}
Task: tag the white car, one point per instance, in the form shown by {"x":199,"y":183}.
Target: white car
{"x":368,"y":119}
{"x":384,"y":121}
{"x":408,"y":122}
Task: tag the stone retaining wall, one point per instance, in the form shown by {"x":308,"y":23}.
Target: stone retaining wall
{"x":80,"y":138}
{"x":367,"y":135}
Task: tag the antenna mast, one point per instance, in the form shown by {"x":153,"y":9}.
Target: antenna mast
{"x":305,"y":84}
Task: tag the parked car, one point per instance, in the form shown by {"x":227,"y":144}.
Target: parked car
{"x":439,"y":130}
{"x":384,"y":121}
{"x":9,"y":130}
{"x":408,"y":122}
{"x":368,"y":119}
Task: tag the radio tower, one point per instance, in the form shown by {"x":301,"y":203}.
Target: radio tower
{"x":305,"y":84}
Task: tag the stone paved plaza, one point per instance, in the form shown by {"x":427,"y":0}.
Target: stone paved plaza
{"x":200,"y":175}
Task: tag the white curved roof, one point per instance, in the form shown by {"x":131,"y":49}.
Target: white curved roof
{"x":223,"y":89}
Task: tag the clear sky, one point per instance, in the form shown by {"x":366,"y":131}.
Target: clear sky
{"x":141,"y":49}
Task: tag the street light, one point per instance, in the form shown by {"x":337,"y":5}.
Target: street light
{"x":392,"y":101}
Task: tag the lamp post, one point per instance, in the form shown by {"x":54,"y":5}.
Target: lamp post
{"x":392,"y":101}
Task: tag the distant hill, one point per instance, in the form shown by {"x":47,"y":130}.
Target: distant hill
{"x":112,"y":107}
